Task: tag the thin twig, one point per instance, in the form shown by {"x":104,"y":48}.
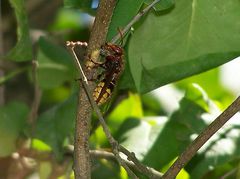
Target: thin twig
{"x":109,"y":155}
{"x":228,"y":174}
{"x":203,"y":137}
{"x":133,"y":21}
{"x":36,"y":99}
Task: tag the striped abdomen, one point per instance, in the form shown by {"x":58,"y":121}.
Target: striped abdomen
{"x":103,"y":91}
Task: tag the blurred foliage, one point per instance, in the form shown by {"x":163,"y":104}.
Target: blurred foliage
{"x":210,"y":81}
{"x":58,"y":125}
{"x":13,"y":121}
{"x":55,"y":65}
{"x":177,"y":40}
{"x":23,"y":49}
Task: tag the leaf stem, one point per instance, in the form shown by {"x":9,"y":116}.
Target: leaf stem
{"x":133,"y":21}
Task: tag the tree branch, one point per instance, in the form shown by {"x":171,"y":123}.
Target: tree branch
{"x":82,"y":127}
{"x":203,"y":137}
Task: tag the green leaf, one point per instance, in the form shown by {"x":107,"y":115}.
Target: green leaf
{"x":126,"y":81}
{"x":182,"y":43}
{"x":23,"y":49}
{"x":123,"y":13}
{"x":56,"y":95}
{"x":195,"y":93}
{"x":138,"y":135}
{"x":105,"y":169}
{"x":181,"y":175}
{"x":130,"y":107}
{"x":39,"y":145}
{"x":13,"y":118}
{"x":211,"y":83}
{"x":55,"y":125}
{"x":175,"y":135}
{"x":55,"y":65}
{"x":162,"y":5}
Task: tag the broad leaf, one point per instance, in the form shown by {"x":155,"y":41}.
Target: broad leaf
{"x":55,"y":65}
{"x":105,"y":169}
{"x":175,"y":135}
{"x":138,"y":135}
{"x":39,"y":145}
{"x":212,"y":84}
{"x":23,"y":49}
{"x":55,"y":125}
{"x":126,"y":81}
{"x":13,"y":118}
{"x":151,"y":137}
{"x":191,"y":38}
{"x":130,"y":107}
